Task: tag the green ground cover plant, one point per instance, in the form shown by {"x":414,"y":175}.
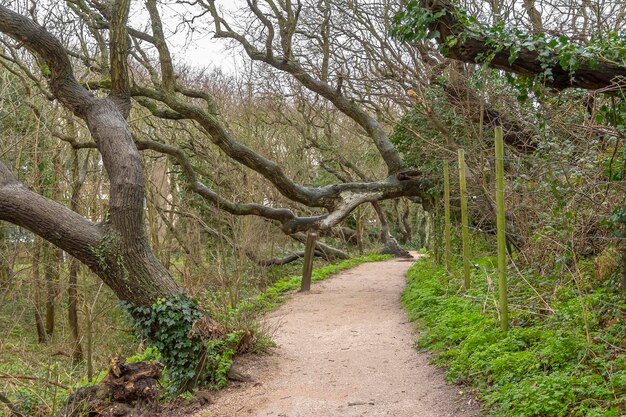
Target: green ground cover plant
{"x":564,"y":355}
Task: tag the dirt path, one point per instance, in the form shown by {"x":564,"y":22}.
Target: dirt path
{"x":345,"y":349}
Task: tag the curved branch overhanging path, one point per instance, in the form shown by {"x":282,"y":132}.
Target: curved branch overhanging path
{"x":345,"y":349}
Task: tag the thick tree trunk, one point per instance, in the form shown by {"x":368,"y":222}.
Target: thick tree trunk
{"x":119,"y":255}
{"x":117,"y":250}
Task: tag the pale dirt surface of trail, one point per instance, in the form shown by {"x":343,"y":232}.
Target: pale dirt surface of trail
{"x":345,"y":349}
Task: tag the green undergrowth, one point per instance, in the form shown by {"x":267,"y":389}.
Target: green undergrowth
{"x":565,"y":354}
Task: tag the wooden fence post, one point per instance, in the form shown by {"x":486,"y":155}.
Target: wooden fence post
{"x":447,"y":228}
{"x":501,"y":226}
{"x":464,"y":220}
{"x":307,"y":268}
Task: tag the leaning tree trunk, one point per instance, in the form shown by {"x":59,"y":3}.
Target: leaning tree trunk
{"x":116,"y":250}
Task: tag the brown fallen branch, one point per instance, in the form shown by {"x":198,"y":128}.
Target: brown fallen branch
{"x":14,"y":411}
{"x":126,"y":385}
{"x":34,"y":378}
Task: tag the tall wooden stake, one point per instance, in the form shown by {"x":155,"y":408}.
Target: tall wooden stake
{"x":464,"y":220}
{"x":448,"y":228}
{"x":501,"y":226}
{"x":307,"y":268}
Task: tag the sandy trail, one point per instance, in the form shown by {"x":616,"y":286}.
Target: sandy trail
{"x":345,"y":349}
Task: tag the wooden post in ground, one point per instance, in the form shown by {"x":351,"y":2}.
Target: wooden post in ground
{"x":307,"y":268}
{"x":464,"y":220}
{"x":501,"y":226}
{"x":448,"y":227}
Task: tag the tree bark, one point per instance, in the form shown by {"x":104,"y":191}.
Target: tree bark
{"x":39,"y":324}
{"x":117,"y":250}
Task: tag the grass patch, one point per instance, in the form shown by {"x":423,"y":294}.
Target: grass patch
{"x":546,"y":365}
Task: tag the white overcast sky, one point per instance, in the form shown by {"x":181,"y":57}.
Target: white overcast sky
{"x":203,"y":50}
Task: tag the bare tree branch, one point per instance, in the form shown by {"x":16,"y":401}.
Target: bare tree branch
{"x":286,"y":63}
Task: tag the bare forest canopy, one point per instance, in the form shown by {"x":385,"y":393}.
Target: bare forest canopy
{"x":99,"y":81}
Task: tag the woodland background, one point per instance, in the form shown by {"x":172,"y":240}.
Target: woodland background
{"x":338,"y":118}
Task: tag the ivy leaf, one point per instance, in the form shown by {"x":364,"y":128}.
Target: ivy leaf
{"x":514,"y":54}
{"x":433,"y":34}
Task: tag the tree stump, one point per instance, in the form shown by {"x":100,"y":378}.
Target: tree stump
{"x":129,"y":389}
